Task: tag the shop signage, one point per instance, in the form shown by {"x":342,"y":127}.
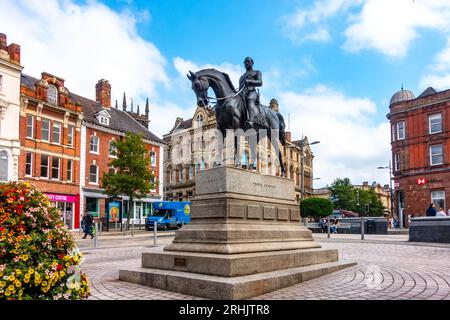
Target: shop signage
{"x":422,"y":181}
{"x":61,"y":197}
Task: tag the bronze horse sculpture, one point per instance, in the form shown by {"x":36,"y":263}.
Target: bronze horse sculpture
{"x":230,"y":111}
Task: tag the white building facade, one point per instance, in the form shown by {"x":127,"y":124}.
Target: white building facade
{"x":10,"y":72}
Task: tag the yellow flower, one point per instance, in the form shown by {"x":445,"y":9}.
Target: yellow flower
{"x":12,"y":278}
{"x":26,"y":280}
{"x":17,"y":283}
{"x":18,"y":272}
{"x":2,"y":284}
{"x":10,"y":287}
{"x":67,"y":264}
{"x":62,"y":273}
{"x":31,"y":271}
{"x":7,"y":293}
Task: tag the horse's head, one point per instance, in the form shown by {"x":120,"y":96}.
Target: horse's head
{"x":200,"y":86}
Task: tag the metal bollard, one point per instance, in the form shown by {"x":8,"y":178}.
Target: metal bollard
{"x":96,"y":234}
{"x":362,"y":228}
{"x":132,"y":228}
{"x":155,"y":232}
{"x":328,"y":227}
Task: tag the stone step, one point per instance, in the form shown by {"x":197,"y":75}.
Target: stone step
{"x":228,"y":288}
{"x":232,"y":265}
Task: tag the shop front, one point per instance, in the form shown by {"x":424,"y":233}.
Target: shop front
{"x":68,"y":205}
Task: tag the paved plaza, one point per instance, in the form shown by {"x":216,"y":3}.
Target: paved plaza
{"x":388,"y":268}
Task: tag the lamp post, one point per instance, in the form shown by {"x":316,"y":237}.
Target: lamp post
{"x":302,"y":148}
{"x":400,"y":216}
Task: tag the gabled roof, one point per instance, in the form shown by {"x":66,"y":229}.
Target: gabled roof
{"x":428,"y":92}
{"x":120,"y":120}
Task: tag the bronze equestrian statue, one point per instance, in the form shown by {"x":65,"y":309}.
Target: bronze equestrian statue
{"x":239,"y":109}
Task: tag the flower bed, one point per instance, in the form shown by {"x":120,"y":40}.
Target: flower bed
{"x":38,"y":256}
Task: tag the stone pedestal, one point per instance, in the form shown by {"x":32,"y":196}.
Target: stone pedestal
{"x":245,"y":239}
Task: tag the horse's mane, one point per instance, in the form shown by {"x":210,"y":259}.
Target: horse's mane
{"x":225,"y":75}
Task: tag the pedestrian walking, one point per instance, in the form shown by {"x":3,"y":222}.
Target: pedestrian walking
{"x":87,"y":222}
{"x":431,"y":211}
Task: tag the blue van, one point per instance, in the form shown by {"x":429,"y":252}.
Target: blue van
{"x":169,"y":215}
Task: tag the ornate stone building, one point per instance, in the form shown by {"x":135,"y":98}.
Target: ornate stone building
{"x":192,"y":145}
{"x":10,"y":70}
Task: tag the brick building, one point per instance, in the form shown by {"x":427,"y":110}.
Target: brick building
{"x":420,"y":150}
{"x":50,"y":126}
{"x":101,"y":126}
{"x":10,"y":70}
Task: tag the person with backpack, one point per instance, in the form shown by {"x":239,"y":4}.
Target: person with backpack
{"x":87,"y":222}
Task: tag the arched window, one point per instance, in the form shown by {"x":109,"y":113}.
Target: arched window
{"x":3,"y":165}
{"x":297,"y":177}
{"x":191,"y":172}
{"x":180,"y":173}
{"x":52,"y":95}
{"x":244,"y":160}
{"x":200,"y":119}
{"x":291,"y":172}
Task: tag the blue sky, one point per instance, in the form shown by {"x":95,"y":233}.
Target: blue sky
{"x":333,"y":65}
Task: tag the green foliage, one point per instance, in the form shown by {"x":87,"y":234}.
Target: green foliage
{"x":133,"y":177}
{"x":316,"y":207}
{"x":38,"y":256}
{"x":347,"y":197}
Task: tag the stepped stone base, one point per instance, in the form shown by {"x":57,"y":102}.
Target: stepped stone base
{"x":245,"y":239}
{"x":228,"y":288}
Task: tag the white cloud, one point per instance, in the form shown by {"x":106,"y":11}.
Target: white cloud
{"x":163,"y":116}
{"x":438,"y":75}
{"x":391,"y":26}
{"x":351,"y":145}
{"x":84,"y":43}
{"x":311,"y":24}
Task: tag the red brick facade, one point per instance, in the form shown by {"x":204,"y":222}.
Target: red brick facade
{"x":62,"y":116}
{"x":421,"y":152}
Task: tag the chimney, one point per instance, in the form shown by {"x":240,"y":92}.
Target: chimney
{"x":103,"y":93}
{"x":288,"y":136}
{"x":2,"y":41}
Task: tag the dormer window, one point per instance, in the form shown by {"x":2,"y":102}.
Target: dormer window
{"x":52,"y":95}
{"x":103,"y":117}
{"x":200,"y":120}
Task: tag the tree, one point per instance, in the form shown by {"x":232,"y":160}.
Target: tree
{"x":316,"y":207}
{"x":133,"y":176}
{"x":343,"y":192}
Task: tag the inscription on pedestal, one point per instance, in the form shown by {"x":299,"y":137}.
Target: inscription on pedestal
{"x":295,"y":215}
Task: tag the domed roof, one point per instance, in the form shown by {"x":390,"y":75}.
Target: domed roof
{"x":402,"y":95}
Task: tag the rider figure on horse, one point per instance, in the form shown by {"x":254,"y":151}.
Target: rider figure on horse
{"x":248,"y":82}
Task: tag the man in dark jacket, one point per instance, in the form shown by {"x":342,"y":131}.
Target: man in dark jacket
{"x":87,"y":221}
{"x":431,"y":211}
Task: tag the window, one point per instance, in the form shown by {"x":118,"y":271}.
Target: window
{"x":70,"y":136}
{"x":3,"y":166}
{"x":244,"y":160}
{"x":94,"y":144}
{"x":104,"y":120}
{"x":191,"y":172}
{"x":52,"y":95}
{"x":29,"y":164}
{"x":153,"y":159}
{"x":45,"y":130}
{"x":180,"y":174}
{"x":396,"y":162}
{"x":1,"y":83}
{"x":92,"y":205}
{"x":436,"y":155}
{"x":393,"y":132}
{"x":400,"y":130}
{"x":56,"y":132}
{"x":438,"y":198}
{"x":30,"y":126}
{"x":200,"y":120}
{"x":55,"y":168}
{"x":44,"y":166}
{"x":69,"y":170}
{"x":112,"y":149}
{"x":93,"y":173}
{"x":435,"y":123}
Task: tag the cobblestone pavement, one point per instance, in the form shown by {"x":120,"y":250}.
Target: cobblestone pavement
{"x":386,"y":270}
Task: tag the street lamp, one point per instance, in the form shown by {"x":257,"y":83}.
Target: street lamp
{"x":302,"y":148}
{"x":392,"y":193}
